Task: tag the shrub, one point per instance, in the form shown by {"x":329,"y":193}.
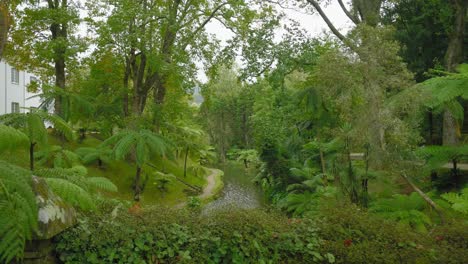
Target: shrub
{"x":168,"y":236}
{"x":354,"y":236}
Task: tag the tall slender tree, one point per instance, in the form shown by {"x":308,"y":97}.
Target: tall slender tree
{"x":45,"y":36}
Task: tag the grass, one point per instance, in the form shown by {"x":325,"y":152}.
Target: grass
{"x":121,"y":173}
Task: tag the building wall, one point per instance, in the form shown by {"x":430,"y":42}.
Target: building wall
{"x":15,"y":92}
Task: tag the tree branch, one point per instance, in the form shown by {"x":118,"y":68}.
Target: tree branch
{"x":203,"y":24}
{"x":327,"y":20}
{"x":351,"y":16}
{"x":425,"y":197}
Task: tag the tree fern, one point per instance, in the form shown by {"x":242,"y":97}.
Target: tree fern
{"x":99,"y":154}
{"x":32,"y":124}
{"x":459,"y":201}
{"x":18,"y":211}
{"x":446,"y":90}
{"x":141,"y":145}
{"x":437,"y":156}
{"x":11,"y":138}
{"x":72,"y":185}
{"x":405,"y":209}
{"x":71,"y":193}
{"x":100,"y":183}
{"x":57,"y":157}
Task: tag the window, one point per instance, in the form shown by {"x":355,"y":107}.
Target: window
{"x":32,"y":79}
{"x":14,"y":76}
{"x":15,"y":107}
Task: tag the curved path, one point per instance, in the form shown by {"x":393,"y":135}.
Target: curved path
{"x":208,"y":190}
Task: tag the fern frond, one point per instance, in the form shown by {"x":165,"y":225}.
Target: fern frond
{"x":18,"y":211}
{"x":459,"y":201}
{"x":11,"y":138}
{"x":59,"y":124}
{"x":71,"y":193}
{"x":101,"y":183}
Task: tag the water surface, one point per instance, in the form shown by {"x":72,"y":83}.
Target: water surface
{"x":239,"y":190}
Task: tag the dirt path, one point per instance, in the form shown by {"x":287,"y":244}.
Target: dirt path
{"x":207,"y":191}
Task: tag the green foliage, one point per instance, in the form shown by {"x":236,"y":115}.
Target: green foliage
{"x":93,"y":154}
{"x":57,"y":156}
{"x":72,"y":185}
{"x":194,"y":203}
{"x":404,"y":209}
{"x":436,"y":156}
{"x":459,"y":201}
{"x":18,"y":211}
{"x":143,"y":143}
{"x":11,"y":139}
{"x":175,"y":236}
{"x":353,"y":235}
{"x":248,"y":156}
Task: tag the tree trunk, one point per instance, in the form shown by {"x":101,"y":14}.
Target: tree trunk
{"x":4,"y":26}
{"x":125,"y":87}
{"x":453,"y":57}
{"x":368,"y":10}
{"x":59,"y":31}
{"x":425,"y":197}
{"x":137,"y":187}
{"x":185,"y":162}
{"x":31,"y":156}
{"x":450,"y":126}
{"x":456,"y":175}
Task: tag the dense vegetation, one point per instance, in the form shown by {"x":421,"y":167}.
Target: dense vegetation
{"x":359,"y":138}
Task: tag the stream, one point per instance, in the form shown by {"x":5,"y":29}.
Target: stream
{"x":239,"y":190}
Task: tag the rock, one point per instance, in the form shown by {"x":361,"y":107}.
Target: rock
{"x":54,"y":214}
{"x":54,"y":217}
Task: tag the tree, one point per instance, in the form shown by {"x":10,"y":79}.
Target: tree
{"x":188,"y":139}
{"x":6,"y":8}
{"x":159,"y":41}
{"x":43,"y":36}
{"x":141,"y":145}
{"x":362,"y":12}
{"x":453,"y":57}
{"x":32,"y":124}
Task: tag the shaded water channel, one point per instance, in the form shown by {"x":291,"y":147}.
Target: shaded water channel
{"x":239,"y":190}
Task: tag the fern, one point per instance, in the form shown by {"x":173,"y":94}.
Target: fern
{"x":18,"y":211}
{"x":436,"y":156}
{"x":89,"y":155}
{"x":405,"y":209}
{"x":447,"y":89}
{"x":58,"y":157}
{"x":71,"y":193}
{"x":459,"y":201}
{"x":100,"y":183}
{"x":142,"y":144}
{"x":11,"y":138}
{"x":72,"y":185}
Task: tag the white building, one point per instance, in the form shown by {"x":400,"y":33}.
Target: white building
{"x":14,"y":96}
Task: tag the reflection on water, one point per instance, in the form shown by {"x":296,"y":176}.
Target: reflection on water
{"x":239,"y":190}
